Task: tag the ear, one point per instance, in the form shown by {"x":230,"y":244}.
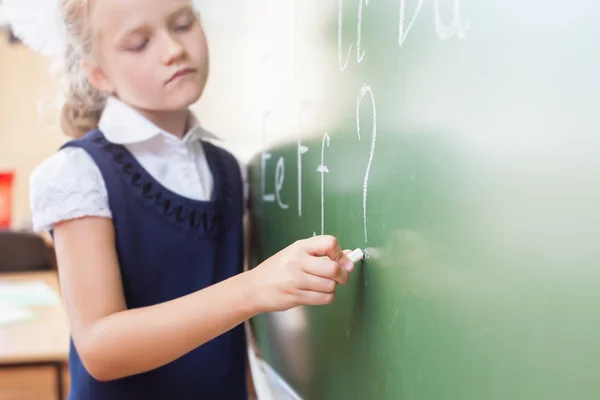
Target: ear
{"x":96,"y":76}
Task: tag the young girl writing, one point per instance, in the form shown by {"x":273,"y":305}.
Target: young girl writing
{"x":147,"y":214}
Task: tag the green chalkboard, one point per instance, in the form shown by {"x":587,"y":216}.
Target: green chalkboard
{"x":458,"y":141}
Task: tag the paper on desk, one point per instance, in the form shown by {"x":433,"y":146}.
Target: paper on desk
{"x":27,"y":294}
{"x":11,"y":314}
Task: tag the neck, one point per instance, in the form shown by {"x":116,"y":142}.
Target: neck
{"x":173,"y":122}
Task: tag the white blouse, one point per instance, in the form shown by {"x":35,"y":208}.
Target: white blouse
{"x":69,"y":185}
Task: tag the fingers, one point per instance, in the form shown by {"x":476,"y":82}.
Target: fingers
{"x":324,"y":245}
{"x":326,"y":268}
{"x":311,"y":298}
{"x":317,"y":284}
{"x":345,"y":261}
{"x":328,"y":246}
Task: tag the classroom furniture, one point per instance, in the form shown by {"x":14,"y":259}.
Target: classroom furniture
{"x":24,"y":251}
{"x":34,"y":352}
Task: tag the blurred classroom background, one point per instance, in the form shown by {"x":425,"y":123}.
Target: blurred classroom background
{"x":33,"y":325}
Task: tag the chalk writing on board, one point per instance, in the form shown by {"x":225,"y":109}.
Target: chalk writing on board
{"x":445,"y":32}
{"x":265,"y":156}
{"x":268,"y":197}
{"x":342,"y":64}
{"x":322,"y":169}
{"x":404,"y":28}
{"x":363,"y":91}
{"x":303,"y":109}
{"x":301,"y":150}
{"x":279,"y":177}
{"x":456,"y":28}
{"x":360,"y":55}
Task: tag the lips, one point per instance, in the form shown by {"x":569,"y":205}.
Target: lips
{"x":181,"y":73}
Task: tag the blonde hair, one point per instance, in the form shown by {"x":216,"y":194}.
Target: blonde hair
{"x":83,"y":104}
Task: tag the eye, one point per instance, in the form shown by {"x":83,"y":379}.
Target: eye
{"x":184,"y":22}
{"x":184,"y":27}
{"x":139,"y":46}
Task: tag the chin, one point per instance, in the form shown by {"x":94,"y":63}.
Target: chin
{"x":180,"y":102}
{"x":183,"y":97}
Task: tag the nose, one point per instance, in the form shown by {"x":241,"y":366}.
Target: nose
{"x":173,"y":50}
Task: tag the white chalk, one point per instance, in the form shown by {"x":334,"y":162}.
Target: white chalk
{"x":356,"y":255}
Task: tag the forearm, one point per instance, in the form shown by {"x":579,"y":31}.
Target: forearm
{"x":138,"y":340}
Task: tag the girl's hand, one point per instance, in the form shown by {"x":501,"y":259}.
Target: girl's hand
{"x":305,"y":273}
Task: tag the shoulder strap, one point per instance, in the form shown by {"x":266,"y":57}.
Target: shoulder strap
{"x":106,"y":157}
{"x":229,"y":179}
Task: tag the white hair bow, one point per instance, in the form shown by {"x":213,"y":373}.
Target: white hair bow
{"x":39,"y":24}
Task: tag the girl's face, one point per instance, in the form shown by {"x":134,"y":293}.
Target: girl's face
{"x":151,"y":54}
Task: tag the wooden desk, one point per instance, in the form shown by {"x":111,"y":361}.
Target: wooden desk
{"x":40,"y":342}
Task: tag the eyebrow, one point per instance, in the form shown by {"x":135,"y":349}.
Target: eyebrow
{"x":180,"y":11}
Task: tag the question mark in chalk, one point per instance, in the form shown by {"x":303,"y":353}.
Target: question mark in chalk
{"x":363,"y":91}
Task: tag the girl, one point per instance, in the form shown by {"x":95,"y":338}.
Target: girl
{"x":147,"y":215}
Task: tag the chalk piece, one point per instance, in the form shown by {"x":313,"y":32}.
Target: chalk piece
{"x":356,"y":255}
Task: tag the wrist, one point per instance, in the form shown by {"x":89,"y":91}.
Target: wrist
{"x":251,"y":293}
